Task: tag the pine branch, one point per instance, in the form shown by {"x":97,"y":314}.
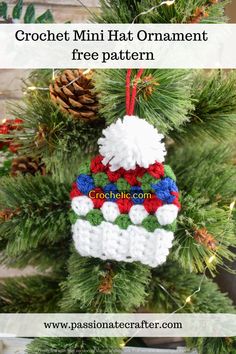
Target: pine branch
{"x":74,"y":345}
{"x":206,"y":171}
{"x":53,"y":257}
{"x":206,"y":176}
{"x":214,"y":114}
{"x":52,"y":135}
{"x":41,"y":213}
{"x":171,"y":285}
{"x":213,"y":345}
{"x":194,"y":218}
{"x":83,"y":293}
{"x":163,"y":96}
{"x":41,"y":77}
{"x":36,"y":294}
{"x":64,"y":166}
{"x":122,"y":11}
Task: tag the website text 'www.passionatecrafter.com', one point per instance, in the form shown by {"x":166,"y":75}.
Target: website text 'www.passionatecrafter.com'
{"x":143,"y":324}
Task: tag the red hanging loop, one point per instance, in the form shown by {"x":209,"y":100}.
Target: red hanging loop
{"x":128,"y":77}
{"x":130,"y":101}
{"x":134,"y":92}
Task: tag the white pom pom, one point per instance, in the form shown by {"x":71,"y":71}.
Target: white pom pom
{"x":129,"y":142}
{"x":110,"y":211}
{"x":82,"y":205}
{"x":167,"y":214}
{"x":137,"y":214}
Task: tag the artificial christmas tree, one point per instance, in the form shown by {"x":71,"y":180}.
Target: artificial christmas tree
{"x":194,"y":110}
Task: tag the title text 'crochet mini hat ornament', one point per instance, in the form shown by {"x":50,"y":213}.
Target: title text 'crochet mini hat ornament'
{"x":125,"y":201}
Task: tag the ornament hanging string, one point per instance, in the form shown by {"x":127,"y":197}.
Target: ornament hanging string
{"x":130,"y":99}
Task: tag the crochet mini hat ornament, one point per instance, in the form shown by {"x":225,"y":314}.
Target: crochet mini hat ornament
{"x":125,"y":201}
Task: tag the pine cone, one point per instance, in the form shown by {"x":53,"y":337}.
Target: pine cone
{"x":106,"y":286}
{"x":150,"y":85}
{"x":203,"y":237}
{"x":72,"y":91}
{"x":27,"y":165}
{"x":107,"y":282}
{"x":199,"y":14}
{"x":8,"y":214}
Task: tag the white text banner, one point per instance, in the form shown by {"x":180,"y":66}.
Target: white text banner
{"x":117,"y":325}
{"x":117,"y":46}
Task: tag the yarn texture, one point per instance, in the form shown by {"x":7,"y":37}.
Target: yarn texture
{"x":130,"y":142}
{"x":108,"y":241}
{"x":125,"y":201}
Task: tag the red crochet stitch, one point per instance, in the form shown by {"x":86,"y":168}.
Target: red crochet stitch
{"x":97,"y":202}
{"x":156,"y":170}
{"x":152,"y":204}
{"x":176,"y":200}
{"x":114,"y":175}
{"x":139,"y":171}
{"x":131,"y":178}
{"x":96,"y":164}
{"x":124,"y":205}
{"x":131,"y":175}
{"x":75,"y":192}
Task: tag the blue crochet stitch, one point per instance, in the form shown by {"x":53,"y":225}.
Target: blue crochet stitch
{"x":111,"y":189}
{"x":136,"y":190}
{"x":85,"y":183}
{"x":164,"y":188}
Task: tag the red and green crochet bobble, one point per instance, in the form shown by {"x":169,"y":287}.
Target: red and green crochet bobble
{"x":125,"y":201}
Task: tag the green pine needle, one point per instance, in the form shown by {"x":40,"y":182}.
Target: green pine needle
{"x":81,"y":293}
{"x":214,"y":114}
{"x":52,"y":135}
{"x":167,"y":295}
{"x":53,"y":257}
{"x":205,"y":171}
{"x":74,"y":345}
{"x":41,"y":208}
{"x":35,"y":294}
{"x":123,"y":11}
{"x":190,"y":253}
{"x":206,"y":177}
{"x":225,"y":345}
{"x":163,"y":97}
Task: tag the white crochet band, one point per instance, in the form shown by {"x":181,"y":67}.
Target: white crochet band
{"x":108,"y":241}
{"x":165,"y":214}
